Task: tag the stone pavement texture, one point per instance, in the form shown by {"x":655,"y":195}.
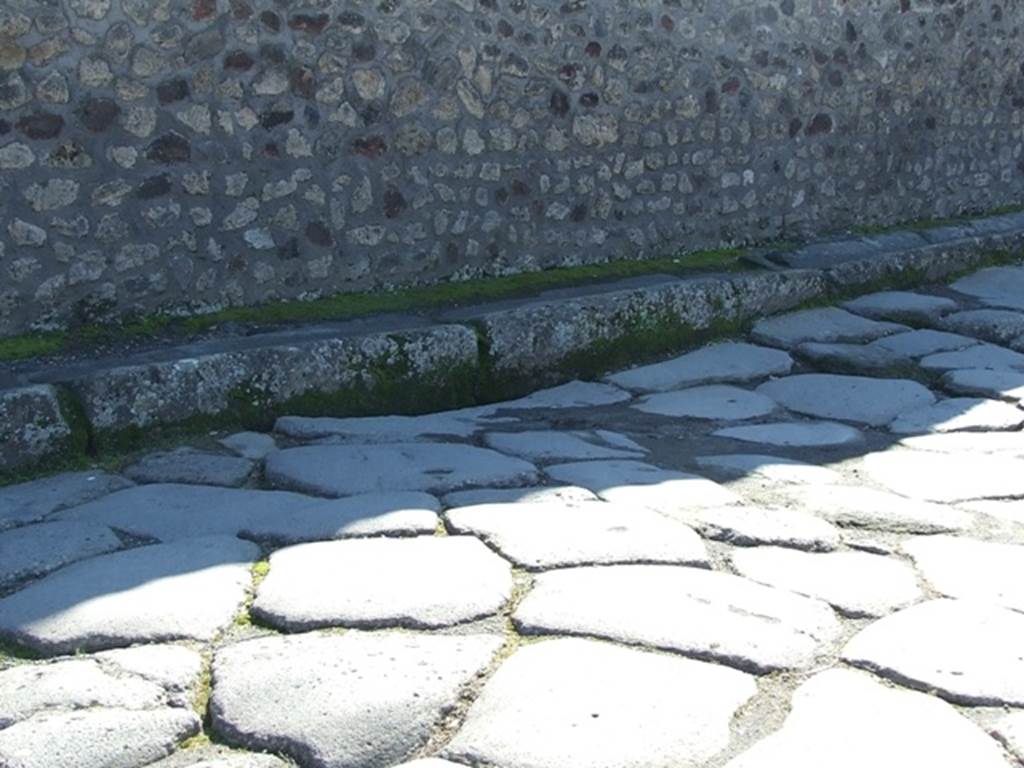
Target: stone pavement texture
{"x":801,"y":548}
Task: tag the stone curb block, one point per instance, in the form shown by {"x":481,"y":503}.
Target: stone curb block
{"x":32,"y":426}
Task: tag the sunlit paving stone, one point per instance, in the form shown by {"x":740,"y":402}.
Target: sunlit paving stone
{"x":981,"y":356}
{"x":35,"y":550}
{"x":342,"y":700}
{"x":548,"y":445}
{"x":774,"y":468}
{"x":901,"y":306}
{"x":639,"y":484}
{"x":966,"y":568}
{"x":1010,"y":731}
{"x":861,"y":507}
{"x":966,"y":651}
{"x":1009,"y":443}
{"x":32,"y":501}
{"x":189,"y":589}
{"x":860,"y":399}
{"x":701,"y":613}
{"x":846,"y":719}
{"x":590,"y":704}
{"x":176,"y":668}
{"x":998,"y":286}
{"x":345,"y":470}
{"x":171,"y":512}
{"x":1008,"y":510}
{"x":854,"y":583}
{"x":549,"y":535}
{"x":752,"y":526}
{"x":208,"y":758}
{"x":946,"y":477}
{"x":1006,"y":385}
{"x":426,"y":581}
{"x":96,"y":738}
{"x":718,"y":363}
{"x":716,"y":402}
{"x":958,"y":414}
{"x":922,"y":342}
{"x":827,"y":324}
{"x":559,"y":494}
{"x":1000,"y":326}
{"x":795,"y":434}
{"x":189,"y":466}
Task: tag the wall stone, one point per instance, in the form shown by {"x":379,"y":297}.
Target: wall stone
{"x":188,"y":155}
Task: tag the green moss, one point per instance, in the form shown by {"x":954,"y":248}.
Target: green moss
{"x":31,"y":345}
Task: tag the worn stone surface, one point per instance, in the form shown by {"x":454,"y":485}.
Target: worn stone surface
{"x":988,"y":572}
{"x":1004,"y":385}
{"x":901,"y":306}
{"x":958,"y":414}
{"x":176,"y":668}
{"x":582,"y":703}
{"x":32,"y":426}
{"x":922,"y":342}
{"x":250,"y":445}
{"x":828,"y":324}
{"x":946,"y":477}
{"x":775,"y":468}
{"x":718,"y":363}
{"x":1010,"y":731}
{"x":752,"y":526}
{"x":853,"y":358}
{"x":189,"y":466}
{"x":32,"y":501}
{"x":848,"y":398}
{"x":559,"y":494}
{"x":35,"y":550}
{"x":208,"y":757}
{"x":998,"y":286}
{"x":984,"y":356}
{"x":549,"y":445}
{"x":795,"y":434}
{"x":715,"y":402}
{"x":861,"y":507}
{"x":342,"y":700}
{"x":1009,"y":443}
{"x":701,"y":613}
{"x":1000,"y":326}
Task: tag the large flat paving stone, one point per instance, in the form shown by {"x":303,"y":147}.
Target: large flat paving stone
{"x":967,"y":652}
{"x":210,"y":757}
{"x":901,"y":306}
{"x":989,"y":572}
{"x":32,"y":501}
{"x":188,"y":589}
{"x":1000,"y":326}
{"x":828,"y":324}
{"x":168,"y":512}
{"x":985,"y":356}
{"x":921,"y":343}
{"x":342,"y":701}
{"x":427,"y":581}
{"x":845,"y":719}
{"x":795,"y":434}
{"x":697,"y":612}
{"x":559,"y":494}
{"x":250,"y":445}
{"x":189,"y":466}
{"x":551,"y":535}
{"x":946,"y":477}
{"x":96,"y":738}
{"x":751,"y":526}
{"x":854,"y":358}
{"x":176,"y":668}
{"x":1007,"y":444}
{"x":35,"y":550}
{"x":1004,"y":385}
{"x":860,"y":399}
{"x":1010,"y":731}
{"x":345,"y":470}
{"x":997,"y":287}
{"x":860,"y":507}
{"x":639,"y":484}
{"x":959,"y":414}
{"x":589,"y":704}
{"x":715,"y":364}
{"x":717,"y":402}
{"x":550,"y":445}
{"x":855,"y":583}
{"x":775,"y":468}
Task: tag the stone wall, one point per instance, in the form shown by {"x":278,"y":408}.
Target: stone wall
{"x":187,"y":155}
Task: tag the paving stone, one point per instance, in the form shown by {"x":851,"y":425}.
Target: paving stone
{"x":716,"y":402}
{"x":901,"y":306}
{"x":638,"y":484}
{"x":774,"y":468}
{"x":1004,"y":385}
{"x":845,"y":719}
{"x":998,"y":286}
{"x":719,"y":363}
{"x":852,"y":358}
{"x":172,"y":512}
{"x":211,"y":757}
{"x":97,"y":738}
{"x":1009,"y":510}
{"x":250,"y":445}
{"x":188,"y":466}
{"x":35,"y":550}
{"x":32,"y":501}
{"x":860,"y":399}
{"x":700,"y":613}
{"x":967,"y":652}
{"x":946,"y":477}
{"x":428,"y":581}
{"x":986,"y":356}
{"x":1010,"y":731}
{"x":751,"y":526}
{"x":547,"y":445}
{"x":828,"y":324}
{"x":854,"y":583}
{"x":559,"y":494}
{"x":1009,"y":443}
{"x":174,"y":667}
{"x":959,"y":414}
{"x":1000,"y":326}
{"x":795,"y":434}
{"x":184,"y":590}
{"x":344,"y":470}
{"x":989,"y":572}
{"x":923,"y":342}
{"x":585,"y":703}
{"x":860,"y":507}
{"x":328,"y":700}
{"x":575,"y":394}
{"x":551,"y":535}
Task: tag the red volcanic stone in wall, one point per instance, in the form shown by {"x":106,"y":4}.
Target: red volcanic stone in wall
{"x":372,"y":147}
{"x":318,"y":234}
{"x":171,"y":91}
{"x":97,"y":115}
{"x":170,"y":148}
{"x":271,"y":21}
{"x":241,"y":10}
{"x":239,"y":60}
{"x":203,"y":9}
{"x":667,"y":24}
{"x":41,"y":125}
{"x":820,"y":123}
{"x":302,"y":82}
{"x":394,"y":202}
{"x":310,"y":23}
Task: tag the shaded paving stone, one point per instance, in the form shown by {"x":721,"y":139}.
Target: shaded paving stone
{"x":701,"y":613}
{"x":901,"y":306}
{"x":639,"y":484}
{"x":967,"y":652}
{"x":559,"y":494}
{"x":549,"y":445}
{"x":854,"y":583}
{"x":988,"y":572}
{"x":171,"y":512}
{"x":329,"y":700}
{"x":550,"y":535}
{"x":35,"y":550}
{"x":923,"y":342}
{"x":985,"y":356}
{"x":1005,"y":385}
{"x":716,"y":402}
{"x":428,"y":581}
{"x":864,"y":400}
{"x":853,"y":358}
{"x":998,"y":286}
{"x":1000,"y":326}
{"x":344,"y":470}
{"x":32,"y":501}
{"x":845,"y":719}
{"x":774,"y":468}
{"x":719,"y":363}
{"x":1010,"y":731}
{"x":174,"y":667}
{"x":795,"y":434}
{"x":946,"y":477}
{"x":96,"y":738}
{"x":250,"y":445}
{"x":959,"y":414}
{"x":188,"y":466}
{"x":583,"y":703}
{"x":828,"y":324}
{"x":186,"y":590}
{"x":754,"y":526}
{"x":860,"y":507}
